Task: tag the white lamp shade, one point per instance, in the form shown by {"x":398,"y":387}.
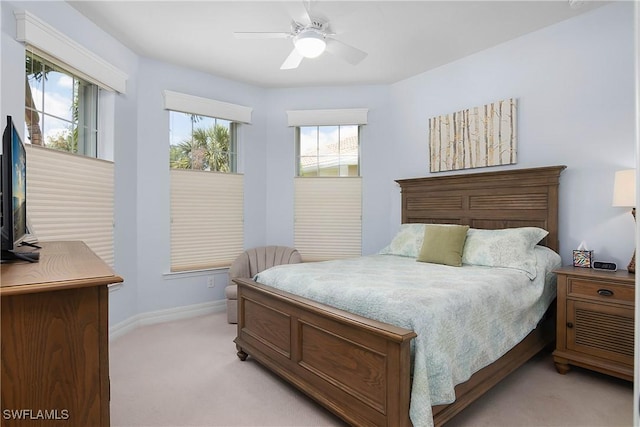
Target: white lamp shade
{"x":310,"y":44}
{"x":624,"y":188}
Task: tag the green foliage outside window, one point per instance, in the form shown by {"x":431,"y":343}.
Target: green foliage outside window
{"x":208,"y":145}
{"x":60,"y":108}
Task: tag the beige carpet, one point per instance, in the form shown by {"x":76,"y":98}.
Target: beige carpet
{"x":186,"y":373}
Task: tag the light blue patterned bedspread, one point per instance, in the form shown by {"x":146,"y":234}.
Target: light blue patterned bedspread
{"x":465,"y":317}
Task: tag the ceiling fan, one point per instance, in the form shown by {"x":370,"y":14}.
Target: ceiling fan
{"x":310,"y":40}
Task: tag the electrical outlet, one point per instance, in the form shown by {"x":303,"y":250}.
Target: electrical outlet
{"x":211,"y":283}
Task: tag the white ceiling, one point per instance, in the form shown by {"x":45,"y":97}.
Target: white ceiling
{"x":402,"y":38}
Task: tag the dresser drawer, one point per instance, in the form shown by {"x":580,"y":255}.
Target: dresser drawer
{"x":600,"y":290}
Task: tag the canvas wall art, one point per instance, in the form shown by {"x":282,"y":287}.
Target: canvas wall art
{"x":474,"y":138}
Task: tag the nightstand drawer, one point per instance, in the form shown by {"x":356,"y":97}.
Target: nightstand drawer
{"x":600,"y":290}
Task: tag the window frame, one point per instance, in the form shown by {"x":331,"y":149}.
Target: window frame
{"x":84,"y":121}
{"x":232,"y":153}
{"x":318,"y":156}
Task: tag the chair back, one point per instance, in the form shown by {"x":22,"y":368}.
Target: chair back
{"x":254,"y":260}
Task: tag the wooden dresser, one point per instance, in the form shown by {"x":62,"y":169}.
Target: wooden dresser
{"x":595,"y":324}
{"x":55,"y":344}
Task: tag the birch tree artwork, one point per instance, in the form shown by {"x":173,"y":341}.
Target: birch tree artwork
{"x":474,"y":138}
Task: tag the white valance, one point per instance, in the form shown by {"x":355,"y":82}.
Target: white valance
{"x":53,"y":45}
{"x":206,"y":107}
{"x":335,"y":117}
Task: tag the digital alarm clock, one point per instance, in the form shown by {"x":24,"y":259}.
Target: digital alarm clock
{"x":605,"y":265}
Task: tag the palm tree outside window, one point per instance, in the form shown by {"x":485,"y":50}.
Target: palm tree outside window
{"x":202,"y":143}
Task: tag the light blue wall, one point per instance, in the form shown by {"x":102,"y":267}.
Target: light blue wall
{"x":156,"y":290}
{"x":573,"y":81}
{"x":376,"y":139}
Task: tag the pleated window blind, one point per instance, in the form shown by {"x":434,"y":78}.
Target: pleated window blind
{"x":328,"y":217}
{"x":70,"y":197}
{"x":206,"y":219}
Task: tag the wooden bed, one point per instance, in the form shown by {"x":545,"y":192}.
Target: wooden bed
{"x":359,"y":368}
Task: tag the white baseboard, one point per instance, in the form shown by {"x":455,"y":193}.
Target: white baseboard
{"x":160,"y":316}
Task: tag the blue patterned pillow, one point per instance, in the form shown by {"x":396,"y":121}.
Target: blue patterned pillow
{"x":508,"y":248}
{"x":407,"y":242}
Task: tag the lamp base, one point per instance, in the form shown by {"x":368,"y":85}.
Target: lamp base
{"x":632,"y":265}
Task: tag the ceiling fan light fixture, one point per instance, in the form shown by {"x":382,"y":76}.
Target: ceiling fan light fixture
{"x":310,"y":44}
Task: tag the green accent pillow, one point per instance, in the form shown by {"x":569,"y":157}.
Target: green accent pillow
{"x":443,"y":244}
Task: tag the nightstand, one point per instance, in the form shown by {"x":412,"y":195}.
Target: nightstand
{"x":595,"y":322}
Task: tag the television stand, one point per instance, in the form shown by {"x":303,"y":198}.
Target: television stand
{"x":33,"y":245}
{"x":54,"y":322}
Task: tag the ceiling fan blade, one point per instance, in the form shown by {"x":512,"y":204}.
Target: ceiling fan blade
{"x":342,"y":50}
{"x":261,"y":35}
{"x":307,"y":8}
{"x":293,"y":60}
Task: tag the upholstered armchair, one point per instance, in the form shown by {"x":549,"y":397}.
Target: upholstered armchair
{"x":251,"y":262}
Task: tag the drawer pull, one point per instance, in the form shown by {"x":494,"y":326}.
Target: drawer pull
{"x":569,"y":325}
{"x":605,"y":292}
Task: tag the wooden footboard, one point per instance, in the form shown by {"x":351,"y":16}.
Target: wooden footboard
{"x":356,"y":367}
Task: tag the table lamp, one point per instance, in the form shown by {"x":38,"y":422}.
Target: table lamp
{"x":624,"y":195}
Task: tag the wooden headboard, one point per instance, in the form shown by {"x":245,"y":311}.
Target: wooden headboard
{"x":490,"y":200}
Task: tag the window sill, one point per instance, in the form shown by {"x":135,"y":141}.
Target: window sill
{"x":172,"y":275}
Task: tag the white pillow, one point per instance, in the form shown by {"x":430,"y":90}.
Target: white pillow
{"x":407,"y":242}
{"x":508,"y":248}
{"x":547,"y":260}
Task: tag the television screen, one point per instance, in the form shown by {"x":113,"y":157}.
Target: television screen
{"x":19,"y":192}
{"x":14,"y":188}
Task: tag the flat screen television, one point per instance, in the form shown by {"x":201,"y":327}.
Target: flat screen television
{"x":14,"y":195}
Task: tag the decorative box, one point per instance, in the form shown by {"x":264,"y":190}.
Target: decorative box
{"x":583,"y":258}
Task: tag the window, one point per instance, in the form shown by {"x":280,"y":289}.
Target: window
{"x":207,"y":193}
{"x":327,"y":151}
{"x":206,"y":197}
{"x":69,"y":106}
{"x":202,"y":143}
{"x":70,"y":191}
{"x":61,"y":109}
{"x":328,"y":187}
